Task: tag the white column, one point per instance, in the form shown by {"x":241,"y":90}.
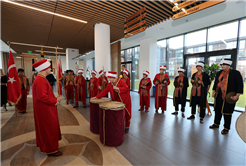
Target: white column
{"x":102,"y":47}
{"x":1,"y":60}
{"x":148,"y":58}
{"x":70,"y":54}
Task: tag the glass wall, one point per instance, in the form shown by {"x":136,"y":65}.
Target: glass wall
{"x":223,"y":36}
{"x":170,"y":51}
{"x":175,"y":54}
{"x":242,"y":50}
{"x":195,"y":42}
{"x":136,"y":73}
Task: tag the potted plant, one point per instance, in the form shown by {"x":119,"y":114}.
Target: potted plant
{"x":211,"y":70}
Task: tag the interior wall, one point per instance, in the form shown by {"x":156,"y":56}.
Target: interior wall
{"x":115,"y":57}
{"x":226,"y":11}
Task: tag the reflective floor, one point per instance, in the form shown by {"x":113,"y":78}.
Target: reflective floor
{"x":166,"y":139}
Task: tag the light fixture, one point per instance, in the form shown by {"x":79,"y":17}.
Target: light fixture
{"x":50,"y":52}
{"x":45,"y":11}
{"x":18,"y":57}
{"x":34,"y":45}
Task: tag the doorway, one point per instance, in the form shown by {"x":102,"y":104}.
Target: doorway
{"x":128,"y":65}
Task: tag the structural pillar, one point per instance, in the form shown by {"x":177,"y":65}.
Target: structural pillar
{"x":148,"y":58}
{"x":102,"y":47}
{"x":70,"y":54}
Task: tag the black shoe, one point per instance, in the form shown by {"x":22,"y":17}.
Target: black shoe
{"x":67,"y":103}
{"x":156,"y":111}
{"x":126,"y":130}
{"x":75,"y":106}
{"x":58,"y":153}
{"x":191,"y":117}
{"x":140,"y":110}
{"x":163,"y":111}
{"x":214,"y":126}
{"x":201,"y":121}
{"x":224,"y":131}
{"x":84,"y":106}
{"x":175,"y":113}
{"x":183,"y":115}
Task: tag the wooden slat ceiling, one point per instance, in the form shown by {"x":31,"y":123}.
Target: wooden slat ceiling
{"x":25,"y":25}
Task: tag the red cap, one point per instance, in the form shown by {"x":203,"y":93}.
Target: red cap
{"x":41,"y":65}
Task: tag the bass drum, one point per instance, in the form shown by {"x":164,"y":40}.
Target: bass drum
{"x":241,"y":126}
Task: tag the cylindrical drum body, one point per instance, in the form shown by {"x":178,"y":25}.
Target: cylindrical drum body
{"x":111,"y":123}
{"x":94,"y":114}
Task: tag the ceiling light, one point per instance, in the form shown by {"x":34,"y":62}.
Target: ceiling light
{"x":18,"y":57}
{"x":34,"y":45}
{"x":45,"y":11}
{"x":50,"y":52}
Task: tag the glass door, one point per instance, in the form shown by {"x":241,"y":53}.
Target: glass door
{"x":208,"y":58}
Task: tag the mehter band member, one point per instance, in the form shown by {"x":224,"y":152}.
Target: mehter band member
{"x":180,"y":92}
{"x":4,"y":79}
{"x":45,"y":111}
{"x":119,"y":91}
{"x":144,"y":91}
{"x":200,"y":81}
{"x":93,"y":84}
{"x":126,"y":79}
{"x":80,"y":93}
{"x":102,"y":82}
{"x":24,"y":84}
{"x":161,"y":81}
{"x":69,"y":82}
{"x":227,"y":88}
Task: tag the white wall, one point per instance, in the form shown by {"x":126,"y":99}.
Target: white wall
{"x":63,"y":62}
{"x":226,"y":11}
{"x":148,"y":56}
{"x":70,"y":54}
{"x":1,"y":60}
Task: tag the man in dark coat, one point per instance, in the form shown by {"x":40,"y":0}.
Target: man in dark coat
{"x":179,"y":96}
{"x":227,"y":80}
{"x":200,"y":81}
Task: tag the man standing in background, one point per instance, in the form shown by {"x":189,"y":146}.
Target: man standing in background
{"x":24,"y":84}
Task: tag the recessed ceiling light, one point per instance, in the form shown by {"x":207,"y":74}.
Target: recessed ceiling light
{"x":45,"y":11}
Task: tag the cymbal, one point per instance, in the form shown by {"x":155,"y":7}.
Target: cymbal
{"x":228,"y":98}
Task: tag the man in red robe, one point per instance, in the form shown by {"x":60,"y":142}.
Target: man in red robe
{"x":24,"y":84}
{"x":144,"y":87}
{"x":126,"y":79}
{"x":93,"y":84}
{"x":69,"y":79}
{"x":79,"y":83}
{"x":45,"y":111}
{"x":119,"y":91}
{"x":161,"y":82}
{"x":102,"y":82}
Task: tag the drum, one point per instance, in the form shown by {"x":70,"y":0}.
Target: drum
{"x":241,"y":126}
{"x":111,"y":123}
{"x":94,"y":114}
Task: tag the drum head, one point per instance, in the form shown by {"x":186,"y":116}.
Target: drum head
{"x":102,"y":100}
{"x":241,"y":126}
{"x":112,"y":105}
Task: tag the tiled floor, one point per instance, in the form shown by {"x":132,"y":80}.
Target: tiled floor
{"x":154,"y":139}
{"x":165,"y":139}
{"x":78,"y":144}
